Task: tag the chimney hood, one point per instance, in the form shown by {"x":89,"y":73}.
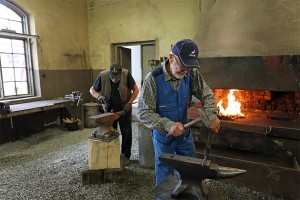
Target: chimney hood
{"x":250,"y":28}
{"x":251,"y":45}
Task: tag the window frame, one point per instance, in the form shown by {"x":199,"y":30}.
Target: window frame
{"x":26,"y":37}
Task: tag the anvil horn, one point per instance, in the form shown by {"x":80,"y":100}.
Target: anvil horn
{"x":228,"y":172}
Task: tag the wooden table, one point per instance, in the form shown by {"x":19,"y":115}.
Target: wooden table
{"x":36,"y":106}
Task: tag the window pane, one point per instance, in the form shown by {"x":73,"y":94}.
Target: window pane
{"x":19,"y":60}
{"x":16,"y":26}
{"x":4,"y":24}
{"x":6,"y":60}
{"x":14,"y":16}
{"x":9,"y":89}
{"x":15,"y":77}
{"x":5,"y":45}
{"x":22,"y":88}
{"x":20,"y":74}
{"x":8,"y":74}
{"x":18,"y":46}
{"x":3,"y":11}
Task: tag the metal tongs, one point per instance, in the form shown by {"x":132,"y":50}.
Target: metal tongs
{"x":210,"y":136}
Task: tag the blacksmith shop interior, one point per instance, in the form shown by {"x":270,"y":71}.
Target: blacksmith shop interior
{"x":57,"y":141}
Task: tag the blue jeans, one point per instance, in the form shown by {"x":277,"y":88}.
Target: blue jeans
{"x":182,"y":145}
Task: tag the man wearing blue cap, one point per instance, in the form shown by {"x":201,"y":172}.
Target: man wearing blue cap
{"x":164,"y":100}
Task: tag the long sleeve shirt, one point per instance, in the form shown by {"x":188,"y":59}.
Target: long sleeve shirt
{"x":147,"y":100}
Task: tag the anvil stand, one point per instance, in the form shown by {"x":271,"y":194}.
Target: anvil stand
{"x":193,"y":171}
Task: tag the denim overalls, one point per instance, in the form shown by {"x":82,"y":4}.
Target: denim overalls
{"x":173,"y":105}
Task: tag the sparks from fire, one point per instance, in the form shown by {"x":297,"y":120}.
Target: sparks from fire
{"x":233,"y":108}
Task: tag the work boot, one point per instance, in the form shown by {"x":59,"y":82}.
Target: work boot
{"x":127,"y":161}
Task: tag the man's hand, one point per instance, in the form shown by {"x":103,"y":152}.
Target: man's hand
{"x":127,"y":107}
{"x":176,"y":129}
{"x":214,"y":125}
{"x":101,"y":100}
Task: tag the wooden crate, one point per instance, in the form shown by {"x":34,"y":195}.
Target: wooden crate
{"x":104,"y":154}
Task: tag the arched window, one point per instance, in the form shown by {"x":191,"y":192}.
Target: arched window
{"x":16,"y":74}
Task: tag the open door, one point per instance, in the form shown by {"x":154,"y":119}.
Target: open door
{"x":124,"y":58}
{"x":134,"y":57}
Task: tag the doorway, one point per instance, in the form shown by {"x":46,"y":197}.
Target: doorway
{"x":134,"y":57}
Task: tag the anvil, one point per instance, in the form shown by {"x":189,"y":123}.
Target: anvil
{"x":106,"y":131}
{"x":193,"y":171}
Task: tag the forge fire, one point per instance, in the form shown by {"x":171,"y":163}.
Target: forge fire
{"x":232,"y":103}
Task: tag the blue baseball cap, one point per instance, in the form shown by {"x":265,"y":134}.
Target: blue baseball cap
{"x":187,"y":51}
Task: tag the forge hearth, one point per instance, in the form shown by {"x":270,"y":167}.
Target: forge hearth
{"x":265,"y":101}
{"x":268,"y":120}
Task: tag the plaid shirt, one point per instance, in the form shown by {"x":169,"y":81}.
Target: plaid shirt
{"x":147,"y":100}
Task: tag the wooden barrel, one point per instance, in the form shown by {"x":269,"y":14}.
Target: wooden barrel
{"x":146,"y":150}
{"x":90,"y":109}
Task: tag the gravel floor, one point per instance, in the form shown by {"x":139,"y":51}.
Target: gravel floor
{"x":48,"y":165}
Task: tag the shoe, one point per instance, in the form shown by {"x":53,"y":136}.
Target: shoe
{"x":127,"y":161}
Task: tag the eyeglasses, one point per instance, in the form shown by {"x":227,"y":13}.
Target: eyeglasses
{"x":179,"y":63}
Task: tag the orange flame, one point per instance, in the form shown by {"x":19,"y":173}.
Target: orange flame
{"x":233,"y":108}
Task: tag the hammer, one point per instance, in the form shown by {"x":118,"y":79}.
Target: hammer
{"x":189,"y":124}
{"x":206,"y":122}
{"x":202,"y":118}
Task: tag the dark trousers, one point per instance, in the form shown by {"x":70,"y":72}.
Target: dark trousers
{"x":126,"y":131}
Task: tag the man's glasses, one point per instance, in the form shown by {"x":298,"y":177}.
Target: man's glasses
{"x":179,"y":63}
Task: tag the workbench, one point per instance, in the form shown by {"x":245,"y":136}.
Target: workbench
{"x":29,"y":118}
{"x":36,"y":106}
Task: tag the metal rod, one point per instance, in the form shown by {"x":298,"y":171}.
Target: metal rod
{"x":11,"y":122}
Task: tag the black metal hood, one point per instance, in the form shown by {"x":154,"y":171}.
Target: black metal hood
{"x":251,"y":28}
{"x":251,"y":44}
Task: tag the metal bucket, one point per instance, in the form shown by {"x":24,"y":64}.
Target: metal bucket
{"x":146,"y":149}
{"x":90,"y":109}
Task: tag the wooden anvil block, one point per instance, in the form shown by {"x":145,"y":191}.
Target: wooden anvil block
{"x":102,"y":176}
{"x":104,"y":154}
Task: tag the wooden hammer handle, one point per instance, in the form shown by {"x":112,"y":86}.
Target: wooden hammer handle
{"x":189,"y":124}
